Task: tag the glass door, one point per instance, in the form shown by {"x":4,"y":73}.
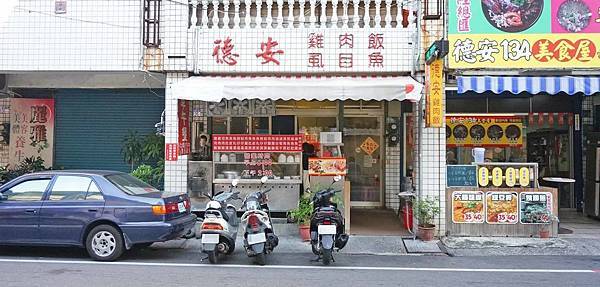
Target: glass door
{"x":362,"y":149}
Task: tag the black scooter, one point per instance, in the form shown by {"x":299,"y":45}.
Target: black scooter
{"x":327,"y":225}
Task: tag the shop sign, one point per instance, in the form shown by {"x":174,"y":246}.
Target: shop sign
{"x":257,"y":165}
{"x":327,"y":166}
{"x":171,"y":152}
{"x":507,"y":177}
{"x":434,"y":81}
{"x":535,"y":207}
{"x":31,"y":130}
{"x":330,"y":50}
{"x":524,"y":34}
{"x":484,"y":131}
{"x":369,"y":146}
{"x":461,"y":175}
{"x":185,"y":133}
{"x":241,"y":108}
{"x":502,"y":207}
{"x":468,"y":207}
{"x":257,"y":143}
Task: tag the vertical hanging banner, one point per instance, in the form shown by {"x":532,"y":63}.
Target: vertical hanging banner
{"x":31,"y":130}
{"x":183,"y":113}
{"x":434,"y":81}
{"x":171,"y":152}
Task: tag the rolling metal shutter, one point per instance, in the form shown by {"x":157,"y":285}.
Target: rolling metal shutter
{"x":91,"y":124}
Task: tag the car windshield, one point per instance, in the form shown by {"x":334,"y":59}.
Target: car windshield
{"x":130,"y":184}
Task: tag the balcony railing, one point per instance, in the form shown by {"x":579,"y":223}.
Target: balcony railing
{"x":298,"y":14}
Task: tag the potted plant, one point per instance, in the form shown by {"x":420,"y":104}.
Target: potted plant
{"x":542,"y":214}
{"x":426,"y":209}
{"x":301,"y":215}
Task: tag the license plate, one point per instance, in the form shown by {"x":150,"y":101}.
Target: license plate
{"x":210,"y":238}
{"x":256,"y":238}
{"x":181,"y":207}
{"x":327,"y":229}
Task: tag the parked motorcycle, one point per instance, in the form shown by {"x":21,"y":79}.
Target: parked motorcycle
{"x":327,"y":225}
{"x":220,"y":225}
{"x":259,"y":238}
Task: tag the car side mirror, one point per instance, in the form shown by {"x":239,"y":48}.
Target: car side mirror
{"x":2,"y":197}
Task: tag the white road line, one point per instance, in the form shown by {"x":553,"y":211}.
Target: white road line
{"x":352,"y":268}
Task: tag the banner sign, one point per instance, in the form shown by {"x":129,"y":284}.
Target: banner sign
{"x":484,"y":131}
{"x":257,"y":143}
{"x":468,"y":207}
{"x":535,"y":207}
{"x":524,"y":34}
{"x":171,"y":152}
{"x":31,"y":130}
{"x":461,"y":175}
{"x":502,"y":207}
{"x":327,"y":166}
{"x":434,"y":81}
{"x":185,"y":133}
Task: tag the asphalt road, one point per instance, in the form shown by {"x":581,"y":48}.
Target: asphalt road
{"x":70,"y":267}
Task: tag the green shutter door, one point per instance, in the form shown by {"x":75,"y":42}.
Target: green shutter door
{"x":91,"y":124}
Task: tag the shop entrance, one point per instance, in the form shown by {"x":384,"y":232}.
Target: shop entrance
{"x":362,"y":147}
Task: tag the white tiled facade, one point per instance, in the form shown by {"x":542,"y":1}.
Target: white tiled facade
{"x":175,"y":171}
{"x":93,"y":35}
{"x":4,"y":118}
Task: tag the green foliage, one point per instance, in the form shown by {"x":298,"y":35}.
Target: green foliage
{"x":147,"y":153}
{"x":153,"y":148}
{"x":132,"y":149}
{"x":303,"y":212}
{"x":28,"y":165}
{"x":144,"y":173}
{"x":426,"y":209}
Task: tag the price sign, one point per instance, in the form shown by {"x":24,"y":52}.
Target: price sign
{"x":468,"y":207}
{"x":497,"y":177}
{"x":511,"y":177}
{"x":502,"y":207}
{"x":524,"y":176}
{"x":483,"y":176}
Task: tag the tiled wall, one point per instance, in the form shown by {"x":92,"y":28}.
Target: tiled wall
{"x":93,"y":35}
{"x":174,"y":34}
{"x":587,"y":122}
{"x":175,"y":171}
{"x":4,"y":118}
{"x":392,"y":176}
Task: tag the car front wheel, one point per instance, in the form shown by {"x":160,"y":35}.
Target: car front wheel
{"x":104,"y":243}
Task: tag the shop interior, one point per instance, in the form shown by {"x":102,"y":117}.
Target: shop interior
{"x":364,"y":142}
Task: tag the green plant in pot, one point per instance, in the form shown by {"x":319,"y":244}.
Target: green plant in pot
{"x":301,"y":215}
{"x":426,"y":209}
{"x":537,"y":213}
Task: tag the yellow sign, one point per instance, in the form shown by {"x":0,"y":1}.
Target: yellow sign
{"x":434,"y":81}
{"x":524,"y":176}
{"x":497,"y":177}
{"x":485,"y":131}
{"x":514,"y":51}
{"x":511,"y":177}
{"x":369,"y":146}
{"x":484,"y":176}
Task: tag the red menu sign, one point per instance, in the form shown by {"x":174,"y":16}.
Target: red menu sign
{"x":171,"y":152}
{"x":183,"y":112}
{"x":257,"y":143}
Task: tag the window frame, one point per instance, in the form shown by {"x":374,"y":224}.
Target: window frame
{"x":56,"y":177}
{"x":24,"y":180}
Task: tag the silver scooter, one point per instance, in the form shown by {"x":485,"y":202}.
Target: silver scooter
{"x":220,"y":225}
{"x":259,"y":238}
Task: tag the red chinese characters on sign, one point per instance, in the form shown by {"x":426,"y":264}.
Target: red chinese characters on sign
{"x":345,"y":60}
{"x":183,"y":113}
{"x":376,"y":43}
{"x":223,"y":52}
{"x":376,"y":60}
{"x":32,"y":129}
{"x":315,"y":41}
{"x":464,"y":15}
{"x":257,"y":164}
{"x":564,"y":50}
{"x":267,"y":52}
{"x":257,"y":143}
{"x":315,"y":60}
{"x":315,"y":45}
{"x":347,"y":41}
{"x":171,"y":152}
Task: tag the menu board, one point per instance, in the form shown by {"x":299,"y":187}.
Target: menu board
{"x":327,"y":166}
{"x":535,"y":206}
{"x":502,"y":176}
{"x":257,"y":143}
{"x":257,"y":164}
{"x":484,"y":131}
{"x":502,"y":207}
{"x":461,"y":175}
{"x":468,"y":207}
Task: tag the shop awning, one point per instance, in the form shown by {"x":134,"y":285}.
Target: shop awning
{"x":532,"y":85}
{"x":214,"y":89}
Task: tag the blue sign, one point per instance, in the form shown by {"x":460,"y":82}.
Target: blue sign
{"x":461,"y":175}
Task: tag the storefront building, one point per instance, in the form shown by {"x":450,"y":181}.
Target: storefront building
{"x":341,"y":78}
{"x":519,"y":102}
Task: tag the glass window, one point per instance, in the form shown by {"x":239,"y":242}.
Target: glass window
{"x":130,"y":184}
{"x":239,"y":126}
{"x":31,"y":190}
{"x":70,"y":188}
{"x":260,"y":125}
{"x":94,"y":193}
{"x":283,"y":125}
{"x":219,"y":125}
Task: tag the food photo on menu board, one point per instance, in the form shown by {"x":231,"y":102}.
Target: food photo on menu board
{"x":535,"y":207}
{"x":327,"y":166}
{"x":472,"y":131}
{"x":468,"y":207}
{"x":502,"y":207}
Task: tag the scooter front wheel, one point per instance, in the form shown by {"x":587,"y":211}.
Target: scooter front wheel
{"x":327,"y":256}
{"x":261,"y":258}
{"x":212,"y":257}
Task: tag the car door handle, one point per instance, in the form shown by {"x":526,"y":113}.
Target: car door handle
{"x":93,"y":210}
{"x":30,"y":210}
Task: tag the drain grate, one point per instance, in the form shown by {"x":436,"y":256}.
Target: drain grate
{"x":418,"y":246}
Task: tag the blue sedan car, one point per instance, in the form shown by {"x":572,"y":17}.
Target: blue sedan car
{"x":106,"y":212}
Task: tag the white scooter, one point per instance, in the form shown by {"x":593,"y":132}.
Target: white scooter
{"x":259,"y":238}
{"x":220,"y":225}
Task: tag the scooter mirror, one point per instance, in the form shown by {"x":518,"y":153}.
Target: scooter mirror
{"x":264,"y":179}
{"x":337,"y":178}
{"x":235,"y":182}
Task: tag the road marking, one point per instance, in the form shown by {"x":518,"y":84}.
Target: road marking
{"x":351,"y":268}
